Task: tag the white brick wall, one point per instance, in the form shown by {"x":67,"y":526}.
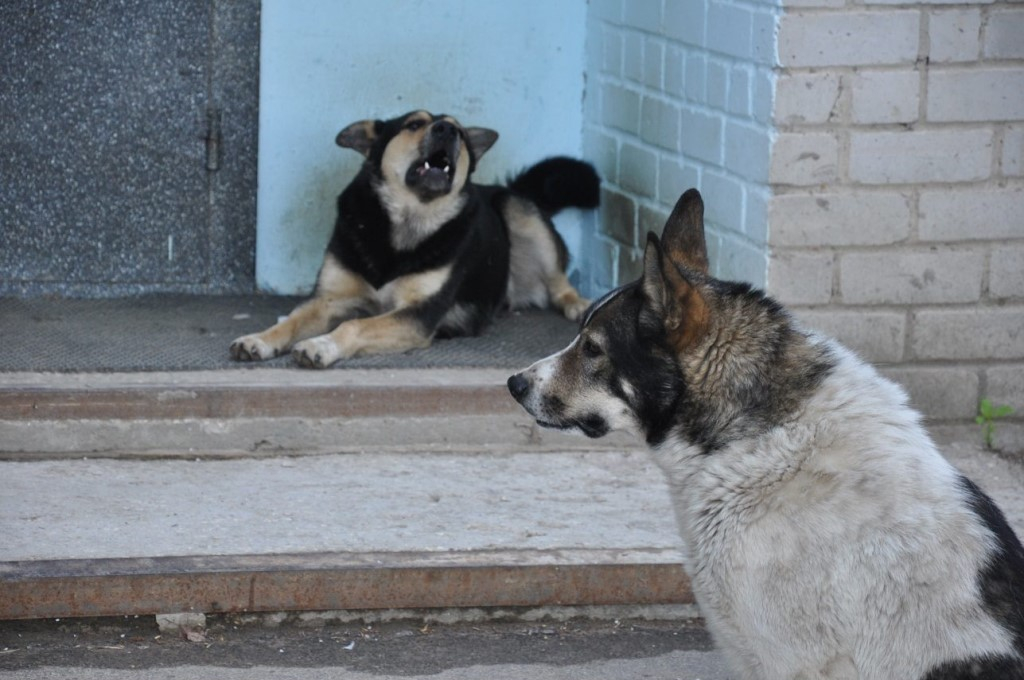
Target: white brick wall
{"x":993,"y":211}
{"x":1006,"y":274}
{"x":899,"y":161}
{"x":954,"y":35}
{"x":957,"y":95}
{"x":920,"y":156}
{"x":903,"y":277}
{"x":967,"y":333}
{"x":859,"y":218}
{"x":885,"y":96}
{"x":806,"y":97}
{"x":803,"y":277}
{"x":876,"y":336}
{"x":1003,"y":33}
{"x":805,"y":159}
{"x":862,"y":159}
{"x":848,"y":38}
{"x":930,"y":390}
{"x":1013,"y":151}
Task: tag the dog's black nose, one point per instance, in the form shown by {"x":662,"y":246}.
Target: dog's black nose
{"x":442,"y":129}
{"x":518,"y":386}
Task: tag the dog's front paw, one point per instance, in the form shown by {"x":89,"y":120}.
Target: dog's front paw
{"x":574,"y":310}
{"x":251,"y":348}
{"x":318,"y":352}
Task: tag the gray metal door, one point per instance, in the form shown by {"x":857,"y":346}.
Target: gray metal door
{"x":127,"y":146}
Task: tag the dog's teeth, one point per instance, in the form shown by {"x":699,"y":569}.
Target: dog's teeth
{"x":426,"y":165}
{"x":447,"y":168}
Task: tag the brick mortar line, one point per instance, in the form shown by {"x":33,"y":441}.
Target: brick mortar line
{"x":1003,"y":183}
{"x":979,"y":305}
{"x":984,"y":17}
{"x":1007,"y":184}
{"x":922,"y":65}
{"x":909,"y":128}
{"x":981,"y":64}
{"x":904,"y":247}
{"x":869,"y":7}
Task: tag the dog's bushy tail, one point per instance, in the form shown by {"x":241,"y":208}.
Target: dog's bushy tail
{"x":557,"y":183}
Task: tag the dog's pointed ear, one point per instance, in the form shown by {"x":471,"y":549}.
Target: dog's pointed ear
{"x":683,"y":236}
{"x":480,"y":140}
{"x":673,"y":299}
{"x":359,"y":136}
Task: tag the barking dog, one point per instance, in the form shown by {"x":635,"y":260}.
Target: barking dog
{"x":824,"y":535}
{"x":420,"y":251}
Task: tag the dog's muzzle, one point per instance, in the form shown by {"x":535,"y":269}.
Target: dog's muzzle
{"x":547,"y":411}
{"x":434,"y":172}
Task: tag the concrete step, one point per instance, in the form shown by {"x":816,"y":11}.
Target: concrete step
{"x":216,"y":487}
{"x":307,"y":582}
{"x":111,"y":536}
{"x":259,"y":411}
{"x":277,"y":489}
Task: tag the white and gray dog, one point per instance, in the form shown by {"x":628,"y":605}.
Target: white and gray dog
{"x":824,"y":534}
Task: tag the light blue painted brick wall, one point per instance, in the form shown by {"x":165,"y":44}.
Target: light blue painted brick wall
{"x":679,"y":94}
{"x":660,"y":94}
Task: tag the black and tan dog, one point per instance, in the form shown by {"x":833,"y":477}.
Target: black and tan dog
{"x":419,"y":251}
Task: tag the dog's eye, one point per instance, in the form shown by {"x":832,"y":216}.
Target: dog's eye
{"x":414,"y":125}
{"x":591,"y":349}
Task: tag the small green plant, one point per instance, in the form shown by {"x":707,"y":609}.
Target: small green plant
{"x":987,"y":415}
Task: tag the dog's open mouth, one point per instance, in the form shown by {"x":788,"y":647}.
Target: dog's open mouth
{"x":438,"y":165}
{"x":434,"y":174}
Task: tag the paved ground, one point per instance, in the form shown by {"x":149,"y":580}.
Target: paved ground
{"x":134,"y":649}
